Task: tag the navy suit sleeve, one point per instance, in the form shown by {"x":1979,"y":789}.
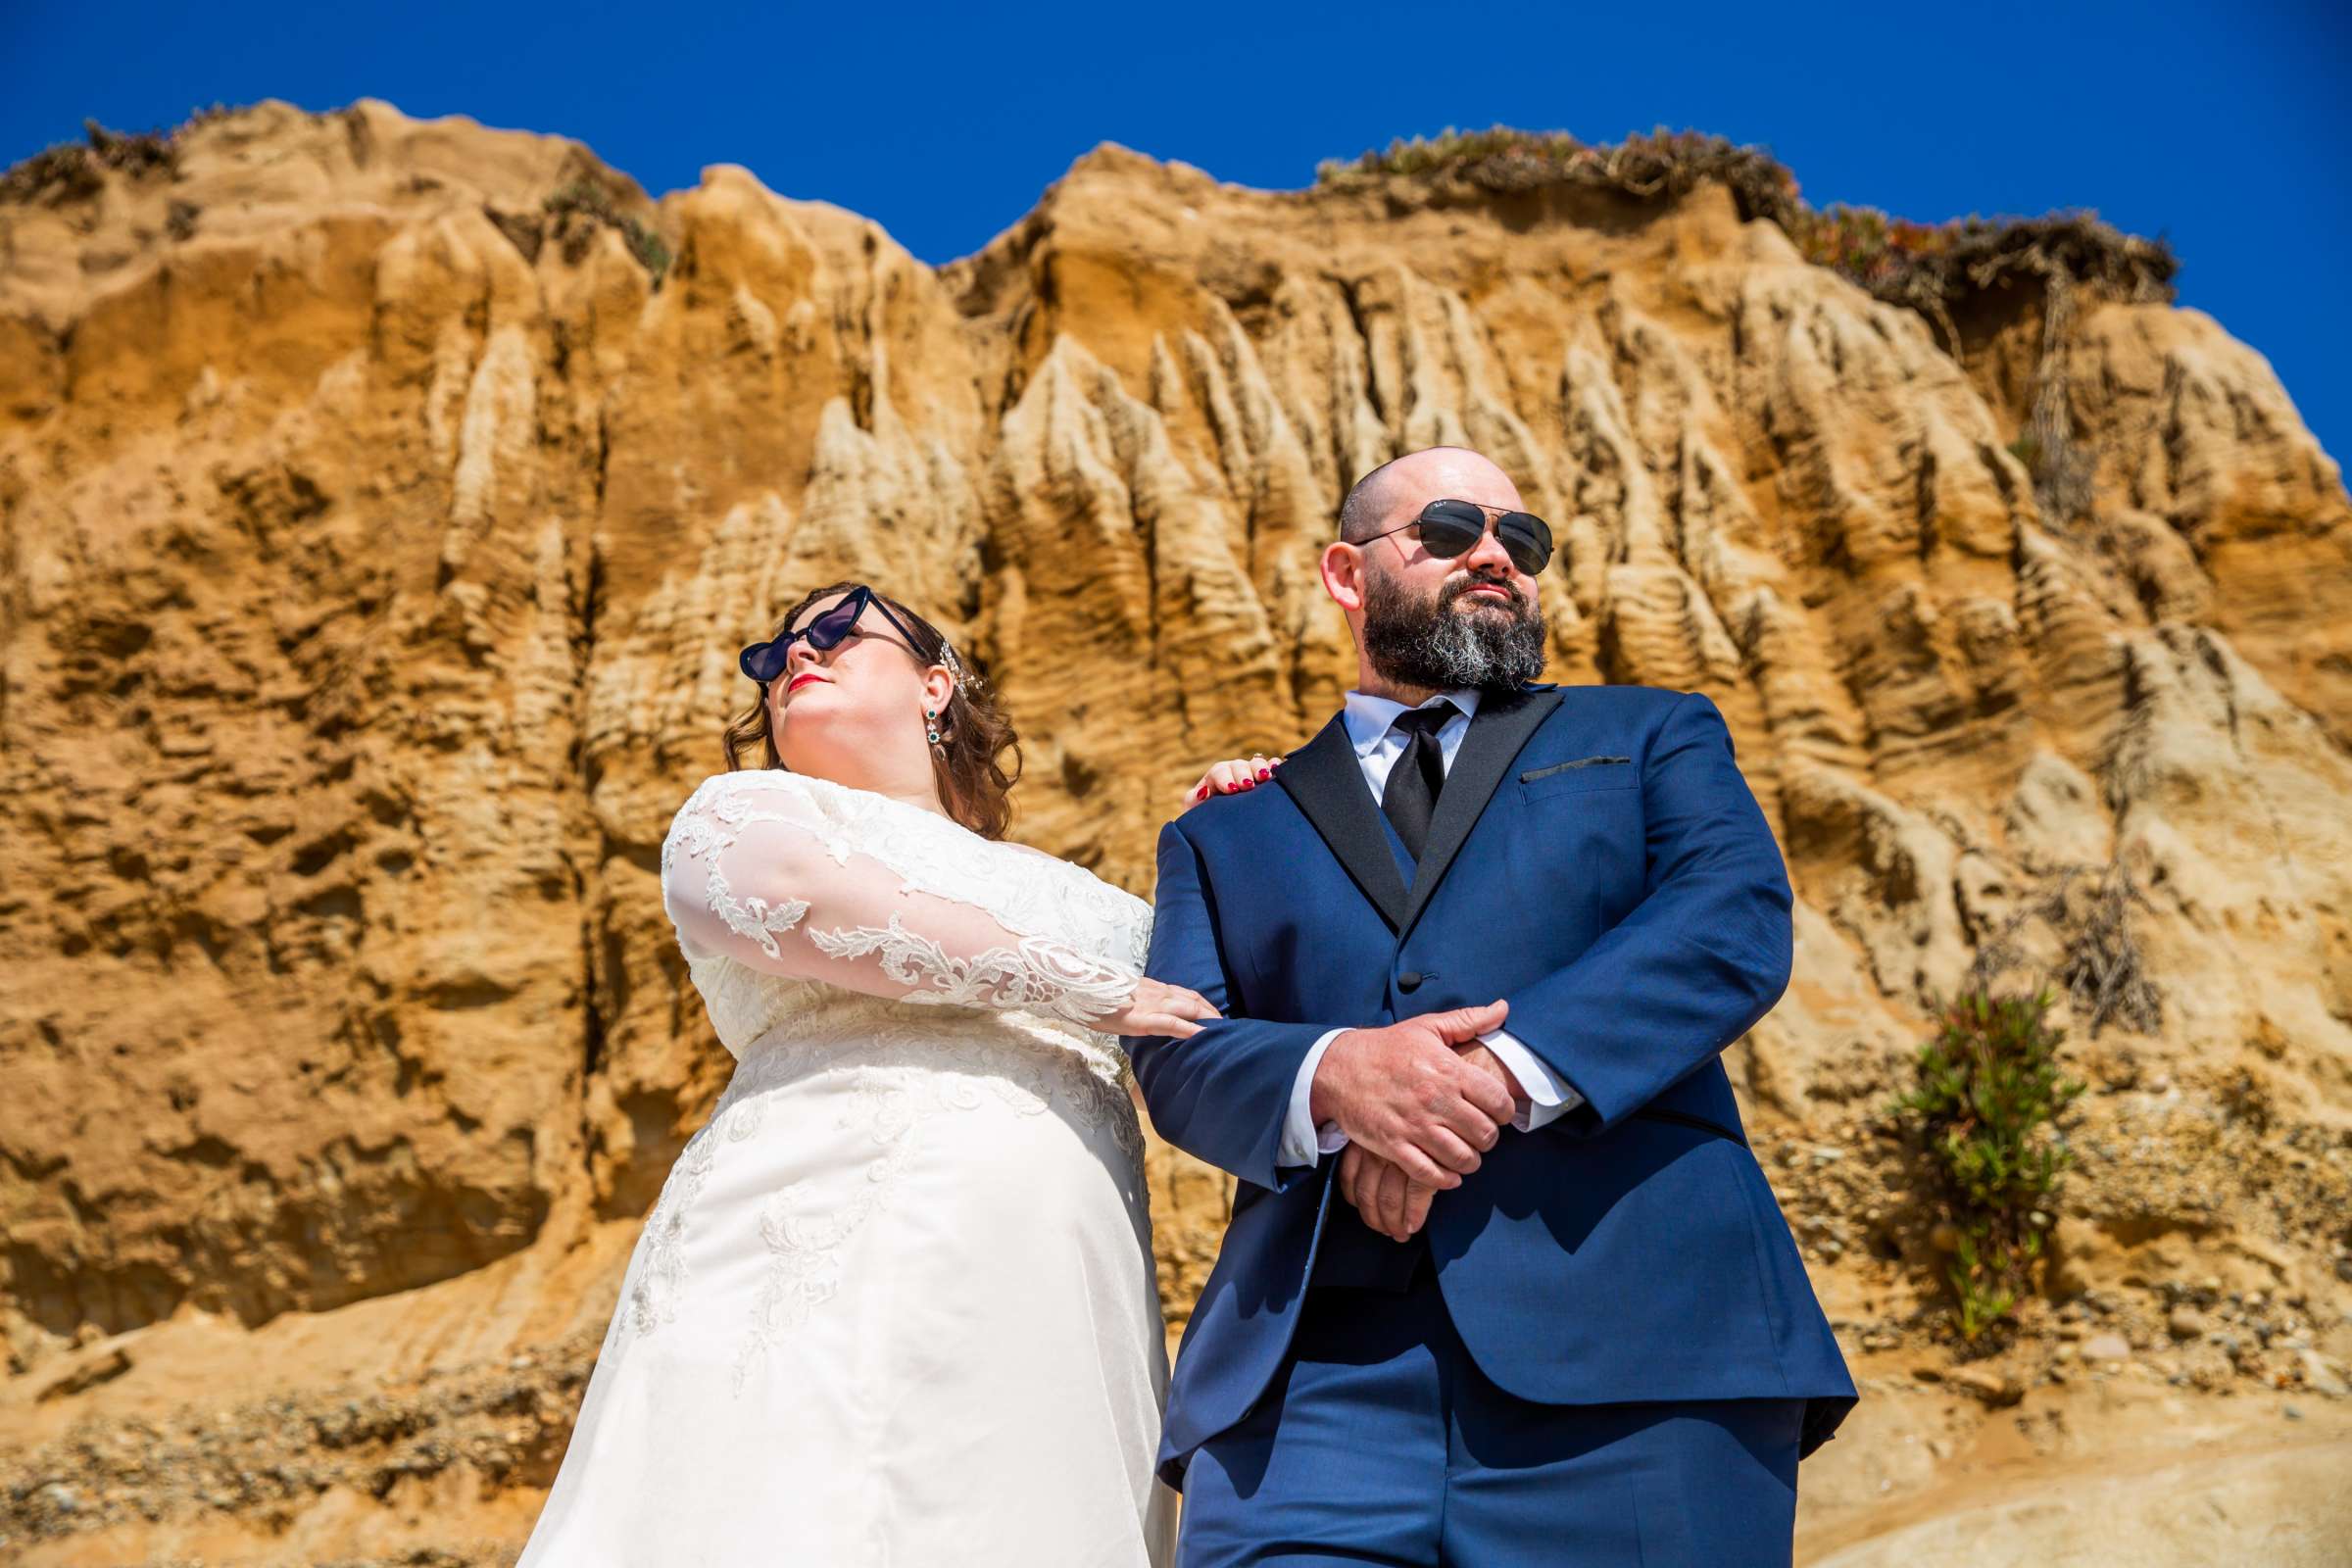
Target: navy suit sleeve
{"x":1699,"y":959}
{"x":1222,"y":1094}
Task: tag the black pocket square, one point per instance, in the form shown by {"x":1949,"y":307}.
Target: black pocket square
{"x":1535,"y":773}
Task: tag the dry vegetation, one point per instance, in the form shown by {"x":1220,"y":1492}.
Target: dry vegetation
{"x":1924,"y":266}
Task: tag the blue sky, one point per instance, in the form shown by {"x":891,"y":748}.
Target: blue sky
{"x":2222,"y":127}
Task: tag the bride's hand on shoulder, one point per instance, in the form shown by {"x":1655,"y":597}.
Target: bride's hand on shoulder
{"x":1232,"y":777}
{"x":1160,"y":1008}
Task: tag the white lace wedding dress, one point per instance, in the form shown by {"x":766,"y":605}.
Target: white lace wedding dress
{"x":896,"y":1303}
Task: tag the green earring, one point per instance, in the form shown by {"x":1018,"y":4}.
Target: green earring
{"x":931,"y":726}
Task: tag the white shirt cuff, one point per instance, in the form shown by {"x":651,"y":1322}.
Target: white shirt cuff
{"x":1548,"y":1097}
{"x":1302,"y":1141}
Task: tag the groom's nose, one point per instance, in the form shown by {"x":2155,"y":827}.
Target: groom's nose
{"x":1489,"y":556}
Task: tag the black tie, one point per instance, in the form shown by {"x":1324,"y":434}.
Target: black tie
{"x":1410,"y":797}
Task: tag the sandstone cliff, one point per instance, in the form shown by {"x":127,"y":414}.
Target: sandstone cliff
{"x":384,"y":500}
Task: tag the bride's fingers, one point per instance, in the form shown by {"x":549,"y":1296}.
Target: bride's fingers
{"x":1232,"y":777}
{"x":1219,"y":780}
{"x":1244,"y":773}
{"x":1183,"y":1002}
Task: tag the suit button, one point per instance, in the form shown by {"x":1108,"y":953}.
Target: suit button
{"x":1410,"y":980}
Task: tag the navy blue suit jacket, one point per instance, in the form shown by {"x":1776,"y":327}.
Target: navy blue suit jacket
{"x":1597,"y":859}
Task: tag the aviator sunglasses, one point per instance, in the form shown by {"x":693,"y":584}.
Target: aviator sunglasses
{"x":1451,"y":528}
{"x":765,"y":661}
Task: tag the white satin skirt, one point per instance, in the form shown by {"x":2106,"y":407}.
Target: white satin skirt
{"x":895,"y":1306}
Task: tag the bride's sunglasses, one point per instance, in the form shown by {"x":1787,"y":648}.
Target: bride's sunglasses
{"x":1451,"y":528}
{"x":765,"y":661}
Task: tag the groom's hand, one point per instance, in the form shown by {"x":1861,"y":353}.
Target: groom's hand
{"x":1406,"y":1094}
{"x":1388,"y":1201}
{"x":1480,"y":1056}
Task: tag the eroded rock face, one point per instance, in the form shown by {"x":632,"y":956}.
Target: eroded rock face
{"x":378,"y":547}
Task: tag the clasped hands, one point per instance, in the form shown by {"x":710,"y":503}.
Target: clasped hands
{"x":1420,"y":1101}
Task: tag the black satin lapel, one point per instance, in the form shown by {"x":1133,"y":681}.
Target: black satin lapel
{"x":1324,"y":777}
{"x":1502,"y":726}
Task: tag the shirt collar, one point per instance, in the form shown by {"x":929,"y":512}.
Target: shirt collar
{"x":1368,"y":717}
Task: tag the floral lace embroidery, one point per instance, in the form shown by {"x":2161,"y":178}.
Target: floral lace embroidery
{"x":703,"y":837}
{"x":898,"y":1087}
{"x":653,"y":1298}
{"x":1022,"y":890}
{"x":1040,"y":974}
{"x":892,"y":1098}
{"x":1026,"y":1039}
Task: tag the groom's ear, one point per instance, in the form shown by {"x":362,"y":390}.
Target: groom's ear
{"x":1343,"y":575}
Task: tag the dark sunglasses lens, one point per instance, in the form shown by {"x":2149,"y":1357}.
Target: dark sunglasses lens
{"x":765,"y":661}
{"x":1449,"y":527}
{"x":1526,"y":539}
{"x":829,"y":629}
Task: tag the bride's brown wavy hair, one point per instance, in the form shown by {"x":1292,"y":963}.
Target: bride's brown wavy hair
{"x":978,"y":760}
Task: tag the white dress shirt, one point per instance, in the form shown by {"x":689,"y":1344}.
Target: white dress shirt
{"x":1369,"y":723}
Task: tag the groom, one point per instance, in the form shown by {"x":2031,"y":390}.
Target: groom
{"x":1503,"y":1284}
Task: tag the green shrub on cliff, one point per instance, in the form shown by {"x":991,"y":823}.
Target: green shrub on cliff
{"x":1988,"y":1096}
{"x":592,"y":201}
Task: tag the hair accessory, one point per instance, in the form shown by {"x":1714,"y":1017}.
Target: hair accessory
{"x":947,"y":657}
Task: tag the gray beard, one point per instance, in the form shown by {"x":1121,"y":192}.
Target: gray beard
{"x":1427,"y":644}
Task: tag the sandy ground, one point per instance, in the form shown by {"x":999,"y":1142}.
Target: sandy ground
{"x":421,"y":1429}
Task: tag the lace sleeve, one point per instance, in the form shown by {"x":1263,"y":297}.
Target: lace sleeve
{"x":758,"y":872}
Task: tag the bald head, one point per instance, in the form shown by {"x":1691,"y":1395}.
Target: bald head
{"x":1400,"y":487}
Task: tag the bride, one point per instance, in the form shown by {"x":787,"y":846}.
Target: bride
{"x":896,"y":1302}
